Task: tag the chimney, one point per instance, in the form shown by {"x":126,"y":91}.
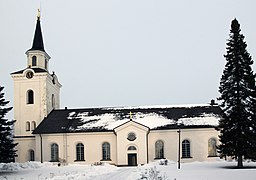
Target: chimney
{"x":213,"y":103}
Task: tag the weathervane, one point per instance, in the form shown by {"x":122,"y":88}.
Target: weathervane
{"x":38,"y":13}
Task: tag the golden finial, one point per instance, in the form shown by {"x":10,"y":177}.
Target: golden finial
{"x":38,"y":13}
{"x":130,"y":115}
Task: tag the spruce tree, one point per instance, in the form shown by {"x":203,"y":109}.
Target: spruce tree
{"x":7,"y":145}
{"x":238,"y":97}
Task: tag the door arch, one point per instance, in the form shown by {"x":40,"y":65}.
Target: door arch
{"x":132,"y":155}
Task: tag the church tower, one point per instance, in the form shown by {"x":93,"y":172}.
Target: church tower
{"x":36,"y":94}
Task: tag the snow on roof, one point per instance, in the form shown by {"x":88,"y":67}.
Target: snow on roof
{"x":205,"y":119}
{"x":106,"y":118}
{"x":152,"y":120}
{"x":159,"y":106}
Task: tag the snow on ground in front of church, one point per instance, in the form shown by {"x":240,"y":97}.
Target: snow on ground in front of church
{"x":220,"y":170}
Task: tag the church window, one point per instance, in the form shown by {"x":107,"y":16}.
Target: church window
{"x":80,"y":152}
{"x":212,"y":147}
{"x":53,"y":101}
{"x":27,"y":126}
{"x":186,"y":149}
{"x":131,"y":136}
{"x":31,"y":155}
{"x":30,"y":97}
{"x":45,"y":63}
{"x":105,"y":151}
{"x":131,"y":148}
{"x":159,"y":149}
{"x":54,"y":152}
{"x":34,"y":61}
{"x":33,"y":125}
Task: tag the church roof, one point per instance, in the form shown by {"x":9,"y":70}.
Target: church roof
{"x":106,"y":119}
{"x":36,"y":70}
{"x":38,"y":43}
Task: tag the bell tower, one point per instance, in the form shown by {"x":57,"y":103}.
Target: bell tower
{"x":36,"y":94}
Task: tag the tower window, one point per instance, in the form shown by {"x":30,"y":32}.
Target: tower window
{"x":30,"y":97}
{"x":34,"y":61}
{"x":53,"y":101}
{"x":33,"y":125}
{"x":27,"y":126}
{"x":45,"y":63}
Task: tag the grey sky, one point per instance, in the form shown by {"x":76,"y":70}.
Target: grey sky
{"x":125,"y":53}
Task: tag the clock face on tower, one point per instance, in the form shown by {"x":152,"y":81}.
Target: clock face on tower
{"x":29,"y":74}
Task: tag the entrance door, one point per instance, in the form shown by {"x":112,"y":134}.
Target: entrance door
{"x":132,"y":159}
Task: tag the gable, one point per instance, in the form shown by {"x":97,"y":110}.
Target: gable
{"x":133,"y":124}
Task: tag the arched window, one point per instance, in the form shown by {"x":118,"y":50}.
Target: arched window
{"x":131,"y":148}
{"x":80,"y":152}
{"x":45,"y":63}
{"x":185,"y":149}
{"x":212,"y":147}
{"x":54,"y":152}
{"x":105,"y":151}
{"x":33,"y":125}
{"x":34,"y":61}
{"x":30,"y":97}
{"x":159,"y":149}
{"x":27,"y":126}
{"x":53,"y":101}
{"x":31,"y":155}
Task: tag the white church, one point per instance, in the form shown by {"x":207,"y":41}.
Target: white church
{"x":120,"y":135}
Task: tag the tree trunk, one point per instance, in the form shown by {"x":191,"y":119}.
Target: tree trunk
{"x":240,"y":162}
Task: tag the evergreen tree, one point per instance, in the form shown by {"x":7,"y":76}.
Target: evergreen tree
{"x":238,"y":99}
{"x":7,"y":145}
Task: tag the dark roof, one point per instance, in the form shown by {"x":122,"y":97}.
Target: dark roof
{"x":106,"y":119}
{"x":37,"y":70}
{"x":38,"y":43}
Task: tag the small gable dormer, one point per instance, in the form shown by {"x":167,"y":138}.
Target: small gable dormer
{"x":36,"y":56}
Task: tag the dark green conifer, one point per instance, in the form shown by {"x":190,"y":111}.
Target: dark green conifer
{"x":238,"y":97}
{"x":7,"y":145}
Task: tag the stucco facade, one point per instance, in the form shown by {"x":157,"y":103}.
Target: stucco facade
{"x":145,"y":144}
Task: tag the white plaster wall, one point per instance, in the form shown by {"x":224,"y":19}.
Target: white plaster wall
{"x":199,"y":143}
{"x":170,"y":139}
{"x":198,"y":140}
{"x":28,"y":112}
{"x":92,"y":146}
{"x":23,"y":147}
{"x":119,"y":144}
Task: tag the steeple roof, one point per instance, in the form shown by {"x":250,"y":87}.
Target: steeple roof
{"x":38,"y":43}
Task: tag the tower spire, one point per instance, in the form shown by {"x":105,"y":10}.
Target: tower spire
{"x":38,"y":43}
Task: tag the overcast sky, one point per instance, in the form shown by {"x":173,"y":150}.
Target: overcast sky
{"x":126,"y":52}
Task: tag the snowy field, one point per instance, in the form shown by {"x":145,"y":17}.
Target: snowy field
{"x":189,"y":171}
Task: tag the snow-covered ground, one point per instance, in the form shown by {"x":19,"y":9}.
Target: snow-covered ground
{"x":189,"y":171}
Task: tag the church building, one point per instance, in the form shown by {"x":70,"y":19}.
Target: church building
{"x":117,"y":135}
